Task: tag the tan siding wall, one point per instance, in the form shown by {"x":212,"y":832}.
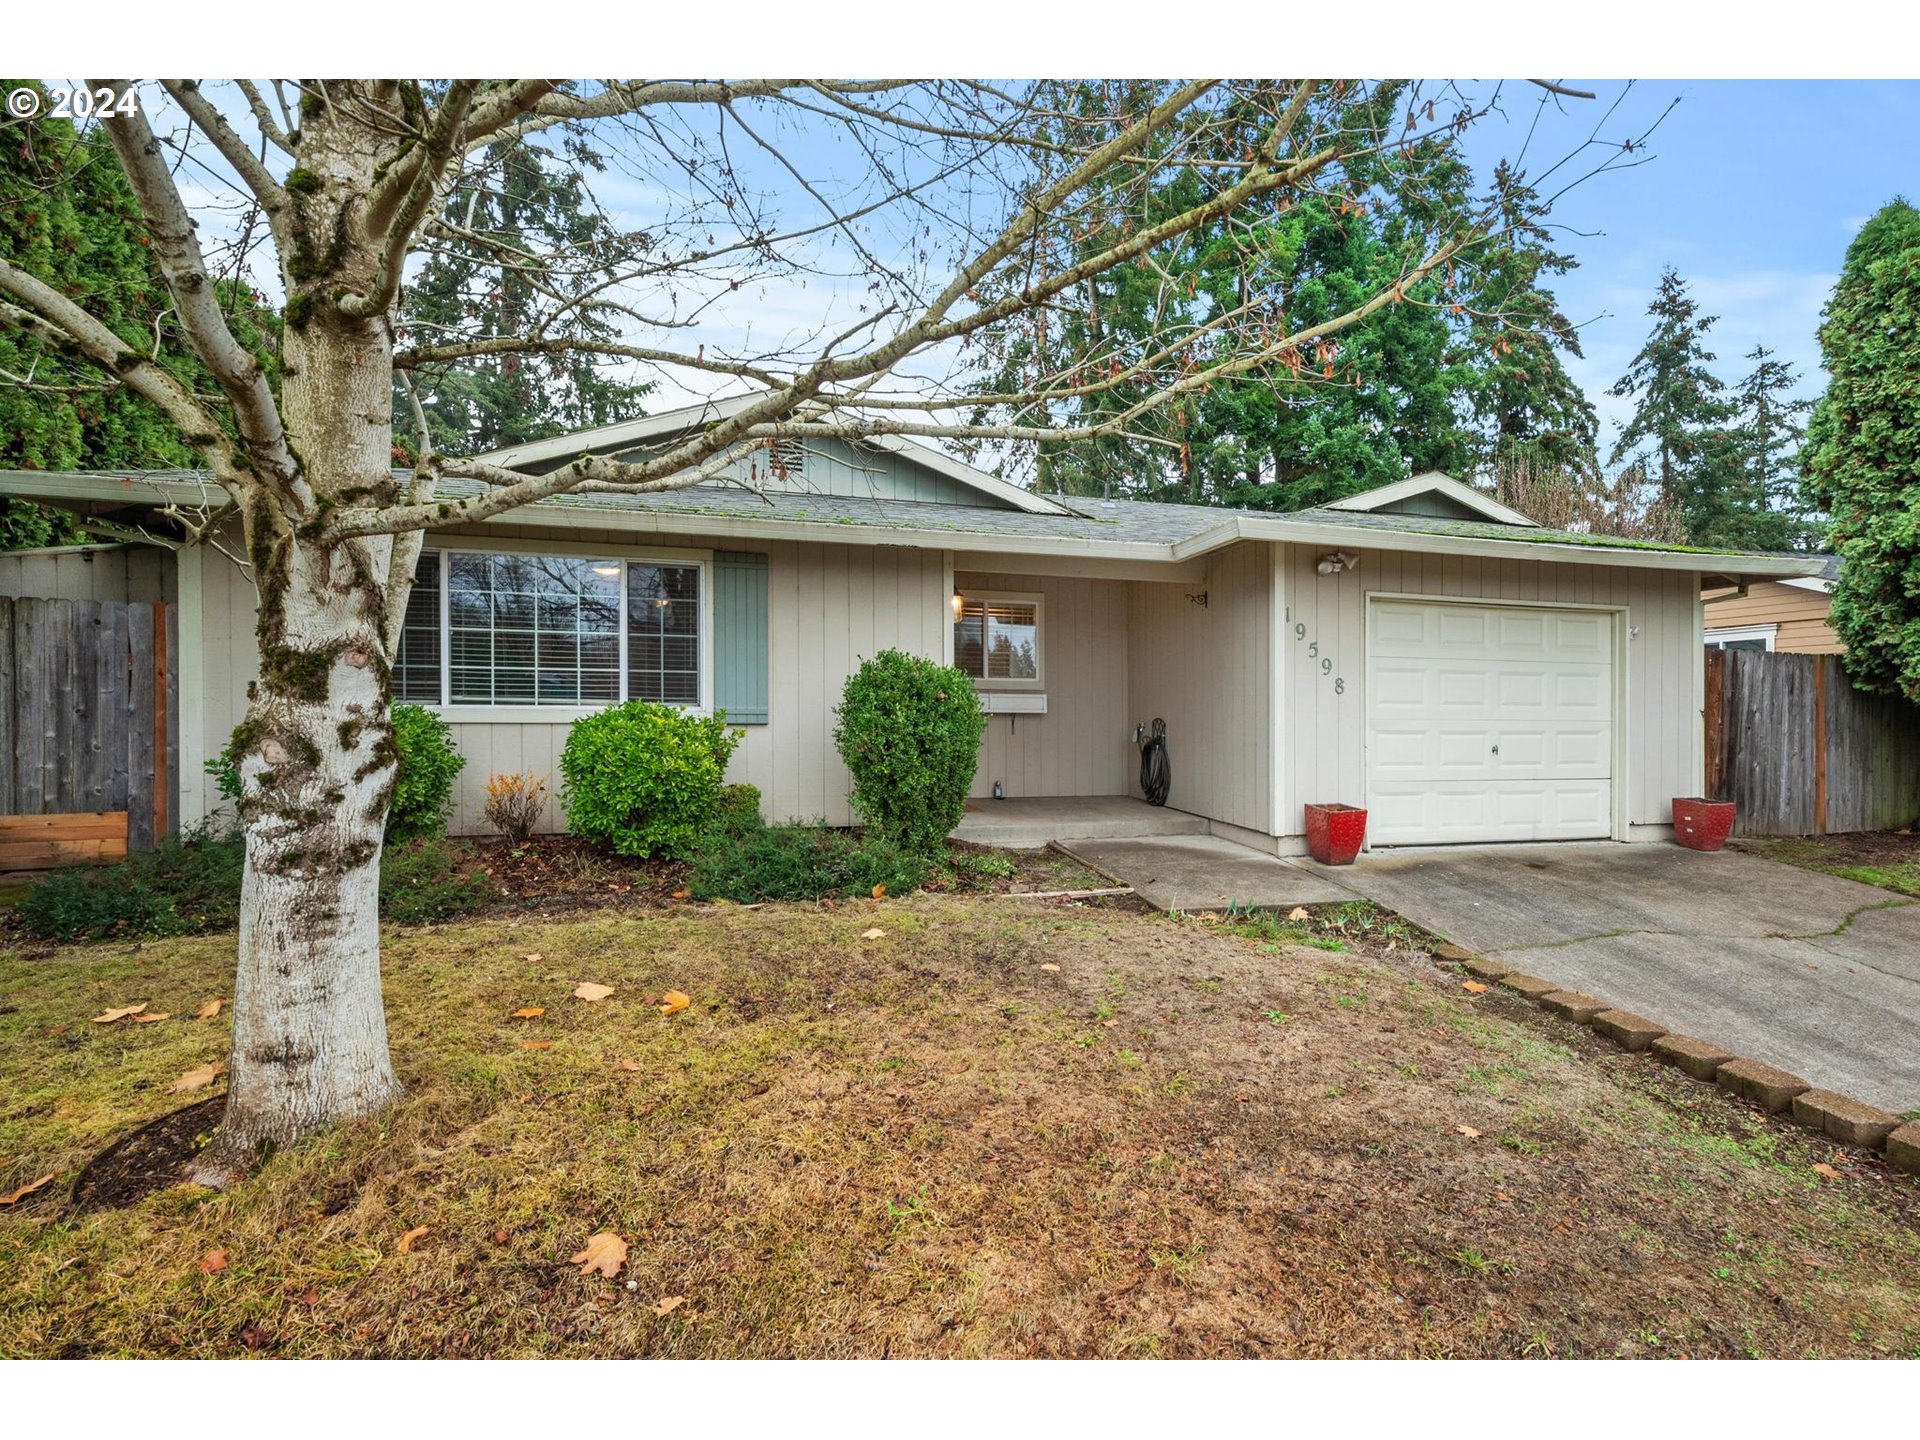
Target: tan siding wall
{"x":1326,"y":732}
{"x":129,"y":574}
{"x":1080,"y":746}
{"x":830,"y":607}
{"x":1206,"y":671}
{"x":1801,"y":615}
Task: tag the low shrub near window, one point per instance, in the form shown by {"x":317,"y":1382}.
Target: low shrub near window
{"x":909,"y":731}
{"x":799,"y":862}
{"x":644,"y":778}
{"x":421,"y":881}
{"x":514,"y":804}
{"x":429,"y":762}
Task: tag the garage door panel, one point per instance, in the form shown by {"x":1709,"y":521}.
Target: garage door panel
{"x":1489,"y":723}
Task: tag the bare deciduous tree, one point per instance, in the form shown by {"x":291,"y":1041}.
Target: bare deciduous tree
{"x":919,"y":213}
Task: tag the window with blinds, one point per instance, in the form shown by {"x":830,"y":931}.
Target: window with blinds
{"x":996,"y":638}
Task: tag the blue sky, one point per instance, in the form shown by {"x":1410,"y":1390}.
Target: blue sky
{"x":1755,"y":190}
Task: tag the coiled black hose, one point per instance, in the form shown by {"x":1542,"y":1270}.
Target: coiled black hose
{"x":1156,"y":771}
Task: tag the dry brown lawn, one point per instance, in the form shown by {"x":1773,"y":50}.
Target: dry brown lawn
{"x":1000,"y":1128}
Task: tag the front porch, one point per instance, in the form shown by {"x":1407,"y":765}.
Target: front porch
{"x":1029,"y":822}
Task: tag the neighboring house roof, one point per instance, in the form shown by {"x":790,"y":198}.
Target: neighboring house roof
{"x":655,"y":433}
{"x":1435,"y":496}
{"x":1829,"y":573}
{"x":1123,"y":529}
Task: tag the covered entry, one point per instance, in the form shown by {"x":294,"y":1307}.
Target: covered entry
{"x":1489,"y":722}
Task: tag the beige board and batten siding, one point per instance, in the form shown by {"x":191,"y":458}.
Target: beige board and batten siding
{"x":1080,"y":746}
{"x":1324,"y":729}
{"x":1206,"y":669}
{"x":830,"y":606}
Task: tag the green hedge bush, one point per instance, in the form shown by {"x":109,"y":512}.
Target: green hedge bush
{"x":429,"y":762}
{"x":799,"y":862}
{"x":190,"y":885}
{"x":737,"y":810}
{"x":645,"y":778}
{"x":909,"y":731}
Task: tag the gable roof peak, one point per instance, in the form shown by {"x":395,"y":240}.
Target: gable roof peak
{"x":1450,"y":492}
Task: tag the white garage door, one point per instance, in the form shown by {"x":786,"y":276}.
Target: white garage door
{"x":1488,"y":722}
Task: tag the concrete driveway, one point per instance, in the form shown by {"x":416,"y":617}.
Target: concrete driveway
{"x":1814,"y":974}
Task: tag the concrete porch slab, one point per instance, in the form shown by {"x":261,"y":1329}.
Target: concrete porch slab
{"x":1031,"y":821}
{"x":1204,"y":872}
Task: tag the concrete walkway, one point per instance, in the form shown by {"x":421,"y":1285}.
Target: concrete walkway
{"x":1817,"y":975}
{"x":1032,"y":821}
{"x":1204,"y":872}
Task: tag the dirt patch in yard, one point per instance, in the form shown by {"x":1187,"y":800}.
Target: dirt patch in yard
{"x":1889,"y":859}
{"x":997,"y":1128}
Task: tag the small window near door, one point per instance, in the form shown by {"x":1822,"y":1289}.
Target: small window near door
{"x":996,"y":639}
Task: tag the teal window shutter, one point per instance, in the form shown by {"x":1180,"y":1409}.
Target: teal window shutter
{"x":740,"y":636}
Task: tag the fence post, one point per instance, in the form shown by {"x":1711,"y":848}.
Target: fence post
{"x":1820,"y":744}
{"x":162,"y":781}
{"x":1713,"y":781}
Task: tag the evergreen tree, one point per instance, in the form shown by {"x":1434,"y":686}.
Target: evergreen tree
{"x":508,"y":229}
{"x":1862,"y":453}
{"x":1762,"y":508}
{"x":1681,"y":410}
{"x":1516,"y":333}
{"x":66,"y":213}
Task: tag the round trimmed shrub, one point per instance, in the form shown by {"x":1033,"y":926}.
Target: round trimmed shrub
{"x":910,"y":733}
{"x":644,"y":778}
{"x":423,"y":781}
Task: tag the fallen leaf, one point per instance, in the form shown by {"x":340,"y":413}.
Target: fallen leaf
{"x":197,"y":1078}
{"x":213,"y":1260}
{"x":1822,"y":1168}
{"x":876,"y":933}
{"x":151,"y":1017}
{"x":680,"y":894}
{"x":536,"y":1044}
{"x":627,"y":1065}
{"x":119,"y":1014}
{"x":253,"y":1337}
{"x":404,"y":1245}
{"x":1050,"y":966}
{"x":670,"y":1304}
{"x":209,"y":1011}
{"x":1468,"y":1131}
{"x":499,"y":1237}
{"x":605,"y":1252}
{"x":879,"y":891}
{"x":27,"y":1189}
{"x":1473,"y":987}
{"x":673,"y":1002}
{"x":1299,"y":912}
{"x":1109,"y":1024}
{"x":587,"y":990}
{"x":310,"y":1296}
{"x":534,"y":959}
{"x":529,"y":1012}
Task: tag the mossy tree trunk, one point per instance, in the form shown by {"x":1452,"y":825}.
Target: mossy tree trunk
{"x":315,"y":752}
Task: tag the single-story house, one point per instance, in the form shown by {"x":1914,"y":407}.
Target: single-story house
{"x":1418,"y":649}
{"x":1788,"y":615}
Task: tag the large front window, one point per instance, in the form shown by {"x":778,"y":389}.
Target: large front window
{"x":511,"y":629}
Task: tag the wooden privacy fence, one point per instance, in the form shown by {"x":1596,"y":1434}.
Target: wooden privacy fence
{"x":1801,"y":752}
{"x":88,"y":739}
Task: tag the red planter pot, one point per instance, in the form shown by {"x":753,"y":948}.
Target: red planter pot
{"x":1335,"y":833}
{"x":1701,"y":824}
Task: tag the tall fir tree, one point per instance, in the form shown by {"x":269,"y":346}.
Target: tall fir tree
{"x":1516,"y":333}
{"x":515,"y":220}
{"x":1680,"y":409}
{"x":1862,"y":453}
{"x":1762,"y":508}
